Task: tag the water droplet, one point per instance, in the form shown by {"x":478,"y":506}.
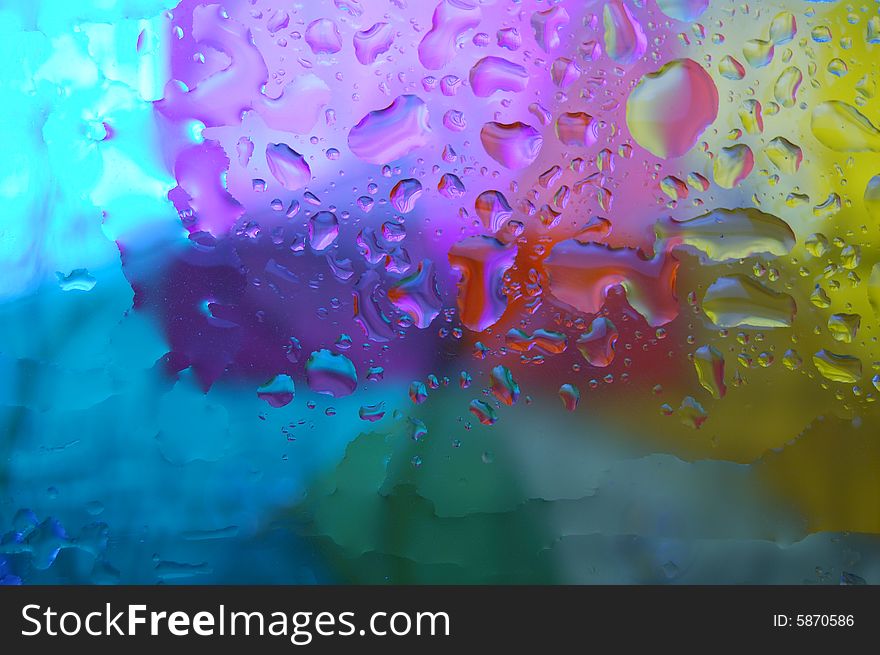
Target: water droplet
{"x":669,"y":109}
{"x":625,"y":40}
{"x":493,"y":209}
{"x":580,"y":275}
{"x":367,"y":312}
{"x":331,"y":373}
{"x":404,"y":195}
{"x":871,"y":197}
{"x":673,"y":187}
{"x":758,"y":53}
{"x":737,"y":300}
{"x":323,"y":230}
{"x":683,"y":10}
{"x":278,"y":21}
{"x":287,"y":166}
{"x":570,"y":396}
{"x":732,"y":165}
{"x":783,"y":28}
{"x":372,"y":42}
{"x":784,"y":155}
{"x":482,"y":262}
{"x":844,"y":327}
{"x":544,"y":341}
{"x":837,"y":67}
{"x":353,"y":7}
{"x":564,"y":72}
{"x":449,"y":84}
{"x":372,"y":413}
{"x":79,"y":279}
{"x":454,"y":120}
{"x":709,"y":363}
{"x":546,"y":25}
{"x":451,"y":186}
{"x":872,"y":32}
{"x":851,"y":578}
{"x":851,"y":257}
{"x":451,"y":19}
{"x":819,"y":298}
{"x":838,"y":368}
{"x":322,"y":36}
{"x":792,"y":360}
{"x":787,"y":85}
{"x":577,"y":129}
{"x":598,"y":343}
{"x":828,"y":207}
{"x":731,"y":68}
{"x":245,"y":148}
{"x":484,"y":412}
{"x":278,"y":391}
{"x":504,"y":387}
{"x":691,"y":413}
{"x":385,"y":135}
{"x":821,"y":34}
{"x":418,"y":393}
{"x":491,"y":74}
{"x":698,"y":182}
{"x":817,"y":244}
{"x":844,"y":128}
{"x":513,"y":145}
{"x":751,"y":117}
{"x":418,"y":295}
{"x":797,"y":199}
{"x":729,"y":234}
{"x":874,"y":288}
{"x":509,"y":38}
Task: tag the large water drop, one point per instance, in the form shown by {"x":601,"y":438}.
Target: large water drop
{"x":482,"y":262}
{"x":513,"y":145}
{"x":732,"y":165}
{"x":581,"y":274}
{"x":493,"y":209}
{"x":278,"y":391}
{"x":737,"y":300}
{"x":598,"y":343}
{"x":669,"y":109}
{"x":287,"y":166}
{"x":404,"y":195}
{"x":871,"y":197}
{"x":418,"y":295}
{"x":451,"y":19}
{"x":322,"y":36}
{"x":331,"y":374}
{"x":323,"y":230}
{"x":625,"y":40}
{"x":729,"y":234}
{"x":683,"y":10}
{"x":491,"y":74}
{"x":385,"y":135}
{"x":844,"y":128}
{"x":546,"y":25}
{"x":372,"y":42}
{"x":784,"y":155}
{"x":838,"y":368}
{"x":577,"y":129}
{"x":504,"y":387}
{"x":709,"y":363}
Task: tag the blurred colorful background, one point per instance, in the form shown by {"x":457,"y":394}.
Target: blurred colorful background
{"x":468,"y":291}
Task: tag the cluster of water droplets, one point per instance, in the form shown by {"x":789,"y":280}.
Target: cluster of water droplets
{"x":499,"y":181}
